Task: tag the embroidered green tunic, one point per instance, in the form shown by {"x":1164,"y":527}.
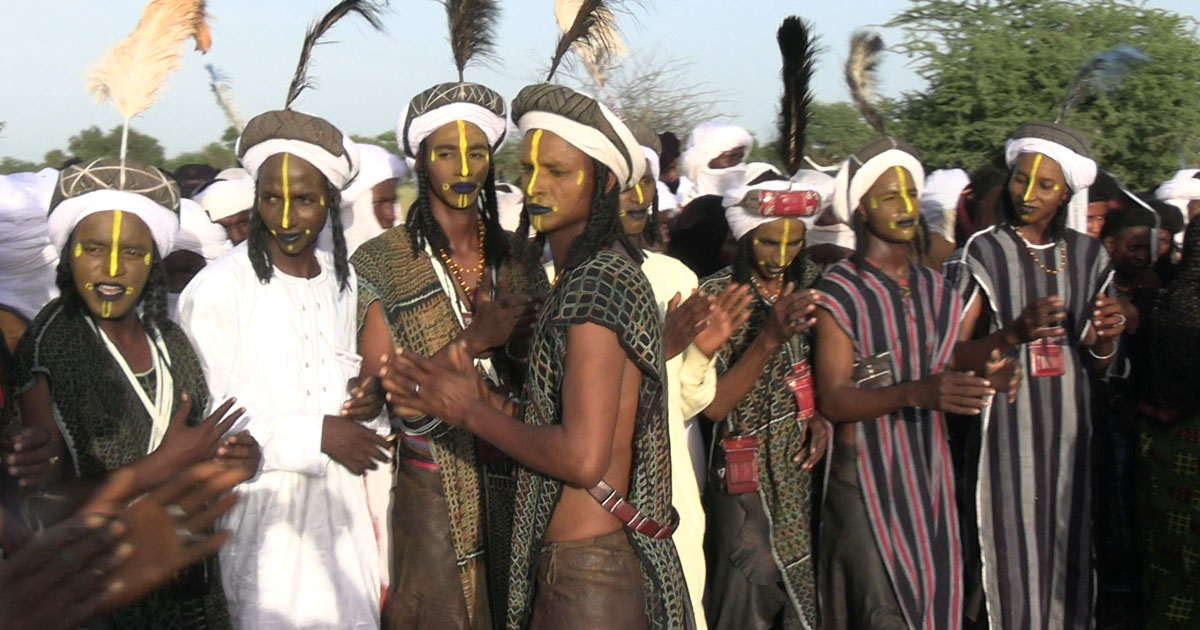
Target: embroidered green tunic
{"x":769,"y":411}
{"x":607,"y":289}
{"x":105,"y":427}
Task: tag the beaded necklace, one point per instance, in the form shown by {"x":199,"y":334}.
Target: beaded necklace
{"x":458,"y":272}
{"x":1062,"y":255}
{"x":769,"y":296}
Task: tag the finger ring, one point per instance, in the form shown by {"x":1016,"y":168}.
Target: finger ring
{"x":174,"y":510}
{"x":187,"y":536}
{"x":416,"y":389}
{"x":1123,"y":319}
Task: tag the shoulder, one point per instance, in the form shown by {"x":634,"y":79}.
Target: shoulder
{"x":391,"y":242}
{"x":717,"y":281}
{"x":606,"y":270}
{"x":234,"y":265}
{"x":668,"y":266}
{"x":51,"y":319}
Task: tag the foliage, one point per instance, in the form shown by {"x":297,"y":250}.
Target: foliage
{"x":11,"y":165}
{"x":835,"y":130}
{"x":993,"y":64}
{"x":386,"y":140}
{"x":92,"y":143}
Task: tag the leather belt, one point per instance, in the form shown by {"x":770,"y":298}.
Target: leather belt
{"x":632,"y":517}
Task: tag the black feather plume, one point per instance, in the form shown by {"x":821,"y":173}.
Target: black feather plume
{"x":1104,"y":72}
{"x":797,"y":46}
{"x":865,"y":48}
{"x":472,"y":29}
{"x":367,"y":9}
{"x":594,"y":30}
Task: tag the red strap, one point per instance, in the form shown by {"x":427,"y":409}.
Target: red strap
{"x":632,"y":517}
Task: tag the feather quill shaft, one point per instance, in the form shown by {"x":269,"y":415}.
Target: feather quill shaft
{"x":861,"y":74}
{"x":797,"y":47}
{"x":132,"y":72}
{"x":224,"y":93}
{"x":1103,"y":72}
{"x":366,"y":9}
{"x":590,"y":28}
{"x":472,"y":30}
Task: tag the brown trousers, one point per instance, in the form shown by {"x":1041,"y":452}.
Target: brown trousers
{"x":426,"y":592}
{"x":590,"y":584}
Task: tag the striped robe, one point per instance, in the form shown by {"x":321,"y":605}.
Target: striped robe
{"x":904,"y":466}
{"x":1032,"y":495}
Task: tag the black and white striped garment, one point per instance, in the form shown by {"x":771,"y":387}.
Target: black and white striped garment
{"x":904,"y":466}
{"x":1032,"y":497}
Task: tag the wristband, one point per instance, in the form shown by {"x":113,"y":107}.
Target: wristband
{"x":1101,"y":358}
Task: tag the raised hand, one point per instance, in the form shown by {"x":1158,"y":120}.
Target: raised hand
{"x":31,"y":456}
{"x":730,"y":310}
{"x":495,"y":321}
{"x":1043,"y":318}
{"x":414,"y":382}
{"x":1108,"y":318}
{"x":1003,"y":373}
{"x":954,"y":392}
{"x":684,"y":321}
{"x":186,"y":445}
{"x":365,"y":401}
{"x":791,"y":314}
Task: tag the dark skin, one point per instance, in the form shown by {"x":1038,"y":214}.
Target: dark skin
{"x":791,"y":315}
{"x":115,"y":550}
{"x":729,"y":158}
{"x":883,"y":209}
{"x":600,"y":383}
{"x":383,"y":202}
{"x":237,"y":226}
{"x":1038,"y":191}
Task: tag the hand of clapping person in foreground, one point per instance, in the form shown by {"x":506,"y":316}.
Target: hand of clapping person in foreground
{"x":684,"y":319}
{"x":118,"y":548}
{"x":730,"y":310}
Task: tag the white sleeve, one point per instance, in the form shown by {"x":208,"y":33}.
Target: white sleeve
{"x":290,"y":441}
{"x":697,"y":381}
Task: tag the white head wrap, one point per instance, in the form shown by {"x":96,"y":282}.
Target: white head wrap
{"x":709,"y":140}
{"x":27,"y":258}
{"x":1079,"y":172}
{"x":667,"y":202}
{"x":163,"y":224}
{"x":652,"y":158}
{"x":198,"y":233}
{"x":509,"y":200}
{"x":301,"y":135}
{"x":338,"y":170}
{"x":1180,"y":189}
{"x":231,"y":193}
{"x":376,"y":165}
{"x":850,"y":188}
{"x":939,"y":200}
{"x":742,"y":222}
{"x":423,"y":126}
{"x":592,"y":142}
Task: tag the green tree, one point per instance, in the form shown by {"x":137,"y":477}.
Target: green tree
{"x":215,"y":154}
{"x":993,"y":64}
{"x":835,"y":130}
{"x":92,"y":143}
{"x":386,"y":140}
{"x":11,"y":165}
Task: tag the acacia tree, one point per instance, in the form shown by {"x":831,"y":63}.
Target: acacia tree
{"x":993,"y":64}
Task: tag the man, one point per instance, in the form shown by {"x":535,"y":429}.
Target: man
{"x":1103,"y":195}
{"x":760,"y":508}
{"x":192,"y":176}
{"x":446,"y":275}
{"x":940,"y":201}
{"x":228,"y":200}
{"x":714,"y":160}
{"x":200,"y":242}
{"x":369,"y":203}
{"x":1182,"y":191}
{"x":593,"y":511}
{"x":1035,"y":286}
{"x":890,"y":555}
{"x":693,"y":330}
{"x":273,"y":323}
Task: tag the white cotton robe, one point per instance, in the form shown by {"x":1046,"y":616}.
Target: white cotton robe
{"x":303,"y":552}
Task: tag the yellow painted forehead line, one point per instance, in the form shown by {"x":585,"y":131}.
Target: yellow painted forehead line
{"x":534,"y":143}
{"x":116,"y":244}
{"x":462,"y":146}
{"x":287,"y":193}
{"x":1033,"y":175}
{"x":908,"y":202}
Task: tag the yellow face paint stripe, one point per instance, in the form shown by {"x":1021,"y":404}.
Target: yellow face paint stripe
{"x":533,"y":158}
{"x":106,"y":309}
{"x":641,"y":197}
{"x":287,"y":193}
{"x":78,"y":249}
{"x":462,"y":146}
{"x":908,"y":203}
{"x":1037,"y":161}
{"x":116,"y":244}
{"x":783,"y":244}
{"x":579,"y":178}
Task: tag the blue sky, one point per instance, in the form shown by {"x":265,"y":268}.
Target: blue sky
{"x":366,"y":78}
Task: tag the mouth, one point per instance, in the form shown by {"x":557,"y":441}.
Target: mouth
{"x":906,"y":222}
{"x":774,"y":271}
{"x":464,"y":188}
{"x":637,"y":215}
{"x":536,"y":210}
{"x":289,"y":238}
{"x":110,"y":291}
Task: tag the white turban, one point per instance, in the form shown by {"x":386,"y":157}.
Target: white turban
{"x":593,"y":142}
{"x":742,"y":221}
{"x":1180,"y":189}
{"x":423,"y":126}
{"x":667,"y":202}
{"x":939,"y":200}
{"x":850,"y":189}
{"x":163,"y":224}
{"x":509,"y":200}
{"x":339,"y":170}
{"x":652,"y":159}
{"x":376,"y":165}
{"x":198,"y":233}
{"x":709,"y":140}
{"x":1078,"y":170}
{"x":27,"y":257}
{"x":227,"y":196}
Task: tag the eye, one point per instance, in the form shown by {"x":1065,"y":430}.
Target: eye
{"x":444,"y":155}
{"x":269,"y":199}
{"x":92,"y":249}
{"x":557,"y":172}
{"x":477,"y":155}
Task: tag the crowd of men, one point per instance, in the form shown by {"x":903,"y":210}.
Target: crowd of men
{"x":647,"y":385}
